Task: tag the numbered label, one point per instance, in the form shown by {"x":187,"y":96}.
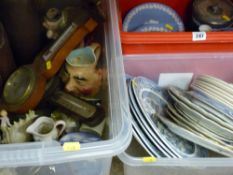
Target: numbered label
{"x":48,"y":65}
{"x":199,"y":36}
{"x":71,"y":146}
{"x":149,"y":159}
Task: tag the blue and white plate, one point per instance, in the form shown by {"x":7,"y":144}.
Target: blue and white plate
{"x":152,"y":28}
{"x":218,"y":106}
{"x":137,"y":131}
{"x":142,"y":126}
{"x":156,"y":14}
{"x":199,"y":118}
{"x":152,"y":101}
{"x":198,"y":139}
{"x":81,"y":137}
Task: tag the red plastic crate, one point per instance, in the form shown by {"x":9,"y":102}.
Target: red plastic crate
{"x":170,"y":42}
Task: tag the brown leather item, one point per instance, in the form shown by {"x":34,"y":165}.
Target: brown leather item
{"x":40,"y":71}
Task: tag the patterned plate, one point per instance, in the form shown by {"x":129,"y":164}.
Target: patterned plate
{"x":218,"y":106}
{"x":198,"y":138}
{"x":152,"y":28}
{"x":199,"y":116}
{"x":137,"y":131}
{"x":141,"y":127}
{"x":152,"y":13}
{"x":151,"y":100}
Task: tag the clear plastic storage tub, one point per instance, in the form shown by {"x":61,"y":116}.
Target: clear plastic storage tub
{"x":92,"y":158}
{"x":151,"y":66}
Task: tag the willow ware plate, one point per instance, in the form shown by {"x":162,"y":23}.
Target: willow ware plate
{"x":189,"y":98}
{"x":228,"y":123}
{"x":143,"y":140}
{"x":198,"y":138}
{"x":223,"y":109}
{"x":151,"y":135}
{"x":151,"y":100}
{"x":137,"y":131}
{"x":152,"y":13}
{"x":152,"y":28}
{"x":186,"y":121}
{"x":177,"y":118}
{"x":199,"y":150}
{"x":204,"y":130}
{"x":193,"y":111}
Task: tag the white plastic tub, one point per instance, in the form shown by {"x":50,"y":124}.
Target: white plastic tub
{"x":93,"y":158}
{"x":151,"y":66}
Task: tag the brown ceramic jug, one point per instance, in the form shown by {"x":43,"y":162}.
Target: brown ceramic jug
{"x":24,"y":29}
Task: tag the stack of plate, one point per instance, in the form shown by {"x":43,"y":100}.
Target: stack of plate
{"x":147,"y":103}
{"x":216,"y":89}
{"x":203,"y":115}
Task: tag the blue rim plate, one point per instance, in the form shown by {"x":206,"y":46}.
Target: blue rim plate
{"x":137,"y":131}
{"x":218,"y":106}
{"x":152,"y":13}
{"x":197,"y":138}
{"x":152,"y":101}
{"x":199,"y":117}
{"x":161,"y":149}
{"x":152,"y":28}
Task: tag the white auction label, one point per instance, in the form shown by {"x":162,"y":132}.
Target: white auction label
{"x":199,"y":36}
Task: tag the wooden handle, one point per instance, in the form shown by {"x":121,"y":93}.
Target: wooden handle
{"x":52,"y":66}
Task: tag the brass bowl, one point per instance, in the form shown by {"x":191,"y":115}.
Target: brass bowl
{"x":19,"y":86}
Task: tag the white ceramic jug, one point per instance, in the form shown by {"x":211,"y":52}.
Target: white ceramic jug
{"x":46,"y":129}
